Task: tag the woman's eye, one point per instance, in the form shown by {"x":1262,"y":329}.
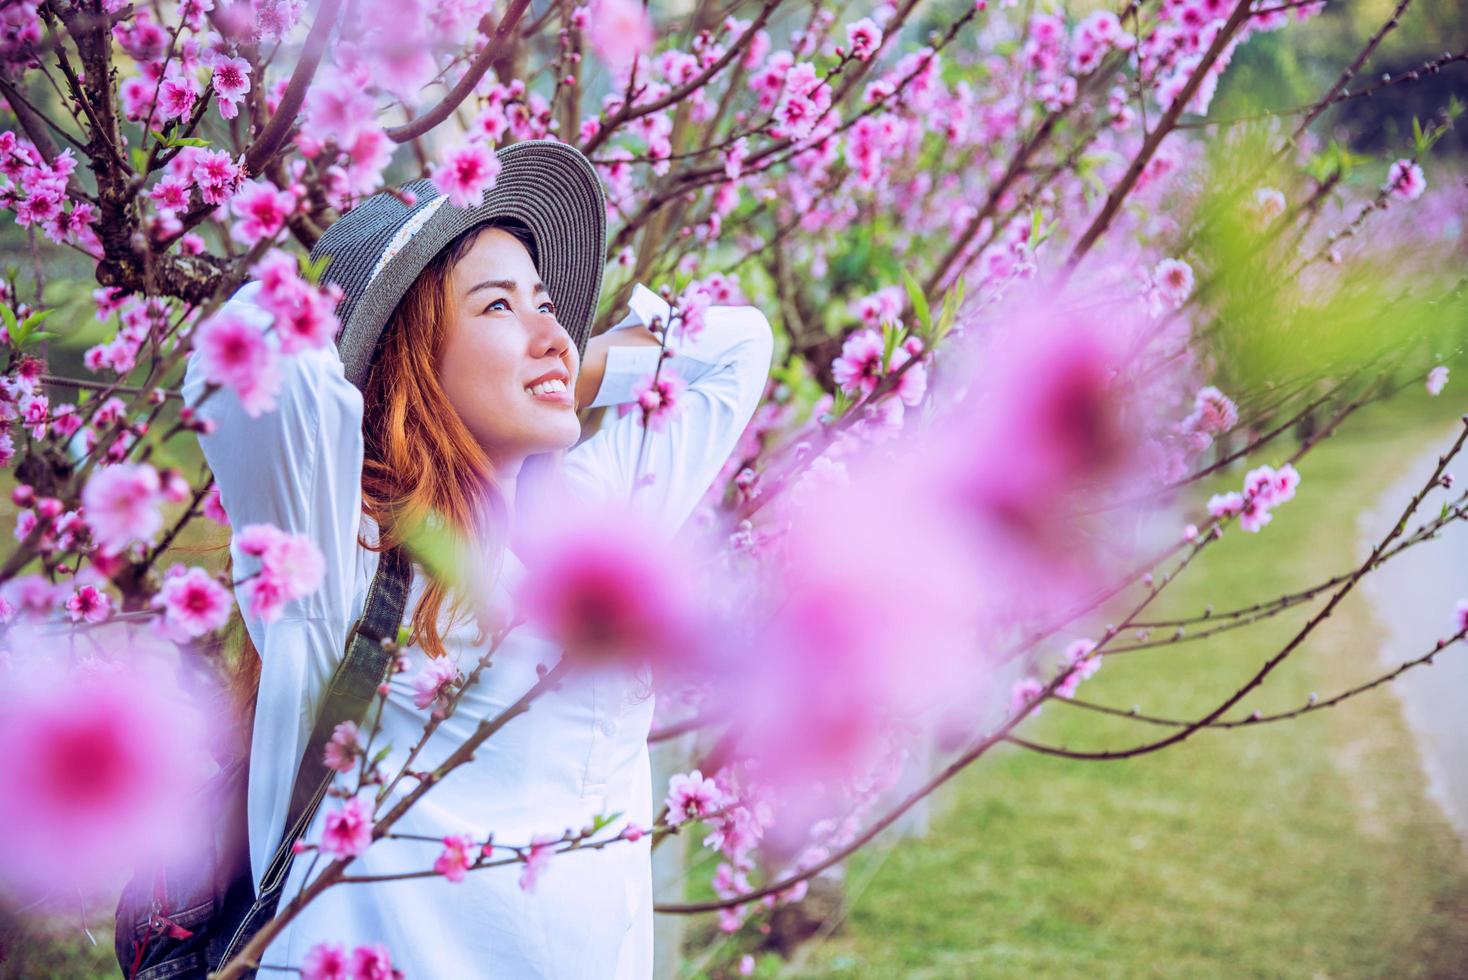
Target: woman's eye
{"x":506,"y":304}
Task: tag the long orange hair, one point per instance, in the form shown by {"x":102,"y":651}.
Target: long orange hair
{"x":420,"y":463}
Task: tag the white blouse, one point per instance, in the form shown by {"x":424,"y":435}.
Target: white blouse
{"x":579,"y":752}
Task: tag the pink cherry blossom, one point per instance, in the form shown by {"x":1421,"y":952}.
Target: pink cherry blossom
{"x":1080,"y":666}
{"x":1437,"y":380}
{"x":1225,"y":504}
{"x":373,"y":963}
{"x":1022,"y":696}
{"x":457,"y":857}
{"x":89,"y":604}
{"x":1461,"y":617}
{"x":465,"y":173}
{"x":194,"y":602}
{"x":434,"y":686}
{"x":348,"y":829}
{"x":213,"y":507}
{"x":231,"y":80}
{"x":344,"y":748}
{"x":176,"y":97}
{"x":657,"y":398}
{"x":536,"y":861}
{"x":233,"y":353}
{"x":619,"y":31}
{"x":1174,"y":281}
{"x":1404,"y":181}
{"x":326,"y":961}
{"x":692,"y":796}
{"x":122,"y":505}
{"x":262,"y":210}
{"x":859,"y":368}
{"x":1214,"y":413}
{"x":338,"y":107}
{"x":216,"y":175}
{"x":865,"y":37}
{"x":291,"y":566}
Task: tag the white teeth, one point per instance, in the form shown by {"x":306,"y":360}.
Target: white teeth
{"x":546,"y":387}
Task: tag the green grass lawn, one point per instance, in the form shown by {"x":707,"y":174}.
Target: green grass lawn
{"x":1306,"y":848}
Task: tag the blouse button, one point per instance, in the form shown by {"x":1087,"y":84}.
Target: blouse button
{"x":606,"y":727}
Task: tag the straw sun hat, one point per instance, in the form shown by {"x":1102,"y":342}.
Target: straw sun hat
{"x":379,"y":247}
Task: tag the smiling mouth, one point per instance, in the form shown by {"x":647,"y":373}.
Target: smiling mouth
{"x":554,"y":391}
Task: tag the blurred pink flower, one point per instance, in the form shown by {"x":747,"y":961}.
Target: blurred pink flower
{"x":605,"y":583}
{"x":326,"y":961}
{"x":373,"y":963}
{"x":1214,"y":413}
{"x":97,"y":762}
{"x":536,"y":861}
{"x":194,"y":602}
{"x":465,"y":173}
{"x":1174,"y":281}
{"x":619,"y":31}
{"x":337,"y":107}
{"x":348,"y":829}
{"x":121,"y":504}
{"x":865,"y":37}
{"x":1437,"y":380}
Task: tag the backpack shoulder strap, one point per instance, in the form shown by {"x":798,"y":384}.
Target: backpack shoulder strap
{"x":362,"y":670}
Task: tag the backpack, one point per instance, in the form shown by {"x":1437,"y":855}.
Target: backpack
{"x":185,"y":919}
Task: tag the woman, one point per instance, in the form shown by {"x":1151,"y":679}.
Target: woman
{"x":464,"y":330}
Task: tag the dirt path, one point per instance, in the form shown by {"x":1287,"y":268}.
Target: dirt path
{"x":1414,"y":596}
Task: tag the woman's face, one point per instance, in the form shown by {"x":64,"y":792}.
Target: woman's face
{"x":508,"y":367}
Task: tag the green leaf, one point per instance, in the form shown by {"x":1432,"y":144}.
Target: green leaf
{"x":8,"y":315}
{"x":919,"y":302}
{"x":1037,"y":222}
{"x":602,"y":820}
{"x":173,"y":141}
{"x":312,"y":271}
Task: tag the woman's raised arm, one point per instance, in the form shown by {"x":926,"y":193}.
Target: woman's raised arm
{"x":299,"y":468}
{"x":724,"y":368}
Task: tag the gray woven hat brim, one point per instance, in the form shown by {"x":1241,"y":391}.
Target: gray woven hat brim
{"x":381,"y":246}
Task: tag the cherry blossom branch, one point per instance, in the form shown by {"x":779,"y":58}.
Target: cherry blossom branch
{"x":1350,"y":71}
{"x":248,"y":958}
{"x":1417,"y":74}
{"x":462,"y":89}
{"x":1288,"y":649}
{"x":1160,"y":132}
{"x":289,"y":107}
{"x":1313,"y":703}
{"x":629,"y":112}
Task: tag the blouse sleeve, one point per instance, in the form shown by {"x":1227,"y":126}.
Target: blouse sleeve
{"x":725,"y":368}
{"x":299,"y":468}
